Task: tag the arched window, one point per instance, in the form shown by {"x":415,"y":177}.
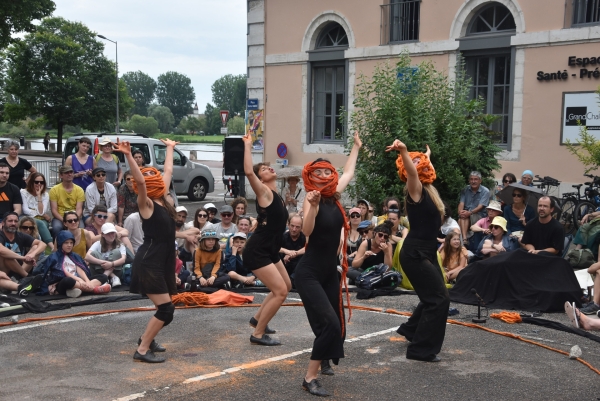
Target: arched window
{"x":492,"y":19}
{"x":331,"y":36}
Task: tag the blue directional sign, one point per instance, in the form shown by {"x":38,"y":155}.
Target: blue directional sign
{"x":252,"y":104}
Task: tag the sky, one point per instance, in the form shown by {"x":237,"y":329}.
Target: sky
{"x":203,"y":39}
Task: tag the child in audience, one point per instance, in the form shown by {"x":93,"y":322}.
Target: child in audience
{"x":454,"y":256}
{"x":66,"y":273}
{"x":207,"y":262}
{"x":234,"y":264}
{"x":108,"y":255}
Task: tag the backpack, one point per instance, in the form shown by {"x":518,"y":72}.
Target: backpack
{"x":378,"y":276}
{"x":580,"y":258}
{"x":115,"y":158}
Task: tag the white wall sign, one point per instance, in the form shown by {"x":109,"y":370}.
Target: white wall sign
{"x":580,"y":109}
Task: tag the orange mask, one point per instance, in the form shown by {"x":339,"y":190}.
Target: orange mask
{"x":155,"y":186}
{"x":425,"y":169}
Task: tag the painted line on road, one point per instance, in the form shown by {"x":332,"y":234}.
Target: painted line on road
{"x":74,"y":319}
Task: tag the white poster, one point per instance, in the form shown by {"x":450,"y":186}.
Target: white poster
{"x":580,"y":109}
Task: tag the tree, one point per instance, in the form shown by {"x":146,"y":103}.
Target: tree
{"x":213,"y":120}
{"x":229,"y":93}
{"x":61,"y":73}
{"x":419,"y":106}
{"x":17,"y":17}
{"x":163,"y":116}
{"x":192,"y":124}
{"x":174,"y":90}
{"x":143,"y":125}
{"x":141,"y":87}
{"x":236,"y":126}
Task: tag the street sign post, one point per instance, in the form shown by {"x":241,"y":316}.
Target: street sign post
{"x":224,"y":115}
{"x":224,"y":130}
{"x":282,"y":150}
{"x":252,"y":104}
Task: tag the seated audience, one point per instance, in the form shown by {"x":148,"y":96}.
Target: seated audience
{"x":388,"y":203}
{"x":483,"y":225}
{"x":363,"y":205}
{"x":9,"y":192}
{"x":579,"y":320}
{"x":133,"y":225}
{"x":108,"y":255}
{"x":101,"y":193}
{"x":365,"y":229}
{"x":448,"y":224}
{"x":473,"y":200}
{"x":83,"y":238}
{"x":19,"y":251}
{"x":212,"y":213}
{"x":373,"y":251}
{"x":36,"y":204}
{"x":82,"y":163}
{"x":527,"y":178}
{"x":399,"y":232}
{"x":27,"y":225}
{"x":65,"y":196}
{"x":66,"y":273}
{"x":507,"y":179}
{"x":207,"y":262}
{"x":499,"y":240}
{"x":593,"y":307}
{"x":183,"y":245}
{"x":24,"y":287}
{"x":353,"y":235}
{"x":293,"y":195}
{"x":240,"y":207}
{"x":233,"y":266}
{"x":544,"y":235}
{"x":454,"y":255}
{"x":97,"y":219}
{"x":292,"y":247}
{"x":126,"y":199}
{"x":225,"y":228}
{"x":519,"y":213}
{"x":244,"y":224}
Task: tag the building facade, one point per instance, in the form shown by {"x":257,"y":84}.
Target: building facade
{"x":536,"y":62}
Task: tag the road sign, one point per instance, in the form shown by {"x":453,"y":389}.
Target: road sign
{"x":281,"y":162}
{"x":224,"y":115}
{"x":282,"y":150}
{"x":224,"y":130}
{"x":252,"y":104}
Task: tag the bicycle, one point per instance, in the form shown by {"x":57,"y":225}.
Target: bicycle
{"x":574,"y":206}
{"x":545,"y":184}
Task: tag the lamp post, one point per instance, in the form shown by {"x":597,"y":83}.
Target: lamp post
{"x":117,"y":70}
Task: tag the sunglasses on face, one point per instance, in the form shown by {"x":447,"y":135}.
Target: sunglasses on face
{"x":364,"y":232}
{"x":101,"y":175}
{"x":354,"y":215}
{"x":517,"y":195}
{"x":494,"y":227}
{"x":28,"y":228}
{"x":101,"y":216}
{"x":384,"y":236}
{"x":226,"y":214}
{"x":72,"y":221}
{"x":508,"y":181}
{"x":203,"y":215}
{"x":39,"y":182}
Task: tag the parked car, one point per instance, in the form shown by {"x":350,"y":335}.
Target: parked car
{"x":189,"y":178}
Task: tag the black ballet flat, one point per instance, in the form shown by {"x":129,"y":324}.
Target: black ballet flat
{"x":264,"y":340}
{"x":326,"y":368}
{"x":154,"y":346}
{"x":403,"y":333}
{"x":268,"y":330}
{"x":148,"y":357}
{"x":315,"y":388}
{"x":434,"y":359}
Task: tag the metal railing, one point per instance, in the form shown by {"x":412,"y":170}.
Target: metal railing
{"x":47,"y":167}
{"x":586,"y":12}
{"x":400,"y":21}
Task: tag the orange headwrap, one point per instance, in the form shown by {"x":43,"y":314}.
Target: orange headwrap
{"x":155,"y":186}
{"x":424,"y":168}
{"x":328,"y":190}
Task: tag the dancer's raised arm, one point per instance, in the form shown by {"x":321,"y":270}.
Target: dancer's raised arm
{"x":414,"y":186}
{"x":350,"y":165}
{"x":144,"y":203}
{"x":264,"y":196}
{"x":168,"y":166}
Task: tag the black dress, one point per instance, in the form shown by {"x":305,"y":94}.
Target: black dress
{"x":318,"y":284}
{"x":263,"y":246}
{"x":17,"y":173}
{"x":426,"y":327}
{"x":153,"y":270}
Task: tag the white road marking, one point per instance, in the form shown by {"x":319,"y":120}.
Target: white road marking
{"x":131,"y":397}
{"x":73,"y":319}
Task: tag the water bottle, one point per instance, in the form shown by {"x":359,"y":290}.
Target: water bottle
{"x":194,"y":286}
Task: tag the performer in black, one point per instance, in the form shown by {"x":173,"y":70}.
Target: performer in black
{"x":153,"y":271}
{"x":426,"y":328}
{"x":261,"y":254}
{"x":316,"y":277}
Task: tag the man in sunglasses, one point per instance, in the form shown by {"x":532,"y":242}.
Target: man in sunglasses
{"x":10,"y":195}
{"x":65,"y":196}
{"x":18,"y":251}
{"x":225,"y":228}
{"x":101,"y":193}
{"x":544,"y":235}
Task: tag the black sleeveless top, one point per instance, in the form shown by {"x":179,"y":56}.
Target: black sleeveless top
{"x":273,"y":218}
{"x":424,"y":217}
{"x":372,"y":260}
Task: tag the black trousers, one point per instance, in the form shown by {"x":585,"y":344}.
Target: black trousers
{"x":69,"y":282}
{"x":426,"y":327}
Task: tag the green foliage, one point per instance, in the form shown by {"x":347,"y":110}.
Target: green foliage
{"x":236,"y":126}
{"x":61,"y":73}
{"x":163,"y":116}
{"x":141,"y":87}
{"x":229,"y":93}
{"x":174,"y":90}
{"x":17,"y":17}
{"x":420,"y":107}
{"x":213,"y":120}
{"x":143,"y":125}
{"x":192,"y":125}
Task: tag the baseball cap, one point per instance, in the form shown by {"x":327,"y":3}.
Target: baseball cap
{"x":108,"y":228}
{"x":98,"y":170}
{"x":226,"y":209}
{"x":210,"y":206}
{"x":354,"y":210}
{"x":181,"y":209}
{"x":65,"y":169}
{"x":239,"y":235}
{"x":364,"y":224}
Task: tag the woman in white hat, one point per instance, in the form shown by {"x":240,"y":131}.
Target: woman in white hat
{"x":498,"y":241}
{"x":109,"y":162}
